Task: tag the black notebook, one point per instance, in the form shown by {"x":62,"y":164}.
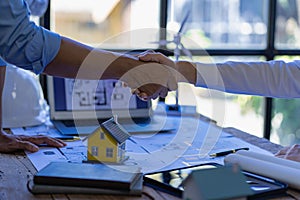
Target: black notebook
{"x":120,"y":177}
{"x":136,"y":189}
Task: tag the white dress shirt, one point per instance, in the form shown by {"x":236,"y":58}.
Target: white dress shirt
{"x":272,"y":79}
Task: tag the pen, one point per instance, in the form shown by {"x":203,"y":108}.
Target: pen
{"x":68,"y":138}
{"x":224,"y":153}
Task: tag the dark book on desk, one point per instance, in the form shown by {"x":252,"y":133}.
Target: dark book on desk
{"x":136,"y":189}
{"x":88,"y":175}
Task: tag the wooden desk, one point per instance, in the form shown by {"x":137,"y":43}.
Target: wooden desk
{"x":16,"y":170}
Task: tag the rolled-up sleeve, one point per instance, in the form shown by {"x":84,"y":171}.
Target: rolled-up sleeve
{"x":22,"y":42}
{"x":2,"y":63}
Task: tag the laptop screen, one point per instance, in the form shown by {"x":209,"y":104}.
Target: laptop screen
{"x":88,"y":98}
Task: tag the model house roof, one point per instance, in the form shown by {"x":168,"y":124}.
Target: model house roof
{"x":115,"y":130}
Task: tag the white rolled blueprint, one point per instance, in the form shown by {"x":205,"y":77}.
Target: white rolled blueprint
{"x":280,"y":169}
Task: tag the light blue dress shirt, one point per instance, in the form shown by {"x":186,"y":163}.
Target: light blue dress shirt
{"x":2,"y":63}
{"x":22,"y":42}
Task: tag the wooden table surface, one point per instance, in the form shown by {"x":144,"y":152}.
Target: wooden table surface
{"x":16,"y":169}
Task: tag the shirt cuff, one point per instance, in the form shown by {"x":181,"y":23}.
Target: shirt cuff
{"x":209,"y":76}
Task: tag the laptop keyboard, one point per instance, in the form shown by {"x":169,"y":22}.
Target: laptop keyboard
{"x":72,"y":123}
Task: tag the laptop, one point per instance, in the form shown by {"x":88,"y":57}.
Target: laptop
{"x":79,"y":106}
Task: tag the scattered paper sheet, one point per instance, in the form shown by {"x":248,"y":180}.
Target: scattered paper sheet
{"x":191,"y":144}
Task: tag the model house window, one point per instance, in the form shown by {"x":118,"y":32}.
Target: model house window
{"x":109,"y":152}
{"x":94,"y":150}
{"x":102,"y":136}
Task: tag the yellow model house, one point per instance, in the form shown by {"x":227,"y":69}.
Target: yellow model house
{"x":107,"y":143}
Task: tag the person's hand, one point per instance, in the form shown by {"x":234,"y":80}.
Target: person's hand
{"x":290,"y":153}
{"x":10,"y":143}
{"x":159,"y":76}
{"x":151,"y":79}
{"x":150,"y":91}
{"x":151,"y":56}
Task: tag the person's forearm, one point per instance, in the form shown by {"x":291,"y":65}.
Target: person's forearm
{"x":75,"y":60}
{"x":68,"y":60}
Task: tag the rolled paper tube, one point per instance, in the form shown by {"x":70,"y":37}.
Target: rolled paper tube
{"x":279,"y":172}
{"x":269,"y":158}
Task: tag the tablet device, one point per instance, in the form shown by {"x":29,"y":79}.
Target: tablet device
{"x":170,"y":182}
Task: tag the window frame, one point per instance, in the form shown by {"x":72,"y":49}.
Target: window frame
{"x":94,"y":150}
{"x":109,"y":152}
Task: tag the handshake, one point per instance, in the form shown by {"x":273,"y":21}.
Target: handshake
{"x":156,"y":75}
